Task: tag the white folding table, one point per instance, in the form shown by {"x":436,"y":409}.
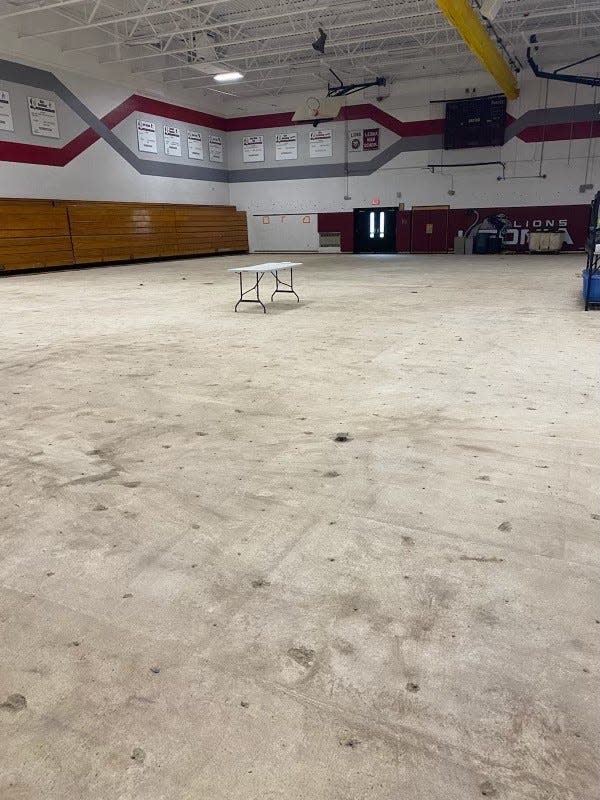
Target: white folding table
{"x":260,"y":270}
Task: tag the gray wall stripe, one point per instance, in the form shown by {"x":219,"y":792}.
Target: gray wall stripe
{"x":41,"y":79}
{"x":404,"y":145}
{"x":551,"y":116}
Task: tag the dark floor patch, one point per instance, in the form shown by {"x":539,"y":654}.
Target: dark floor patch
{"x":483,"y":559}
{"x":100,"y":507}
{"x":245,"y":704}
{"x":155,"y":670}
{"x":407,"y":539}
{"x":487,"y":617}
{"x":302,"y":655}
{"x":342,"y":437}
{"x":483,"y":478}
{"x":488,"y":789}
{"x":14,"y":702}
{"x":259,"y":583}
{"x":595,"y":516}
{"x":102,"y":476}
{"x":413,"y":687}
{"x":138,"y":755}
{"x":131,"y":484}
{"x":343,"y":646}
{"x":127,"y":595}
{"x":331,"y":474}
{"x":349,"y":741}
{"x":505,"y":526}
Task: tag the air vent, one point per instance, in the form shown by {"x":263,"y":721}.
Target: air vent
{"x":329,"y":240}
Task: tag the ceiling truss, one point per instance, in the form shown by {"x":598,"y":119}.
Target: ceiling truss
{"x":183,"y":43}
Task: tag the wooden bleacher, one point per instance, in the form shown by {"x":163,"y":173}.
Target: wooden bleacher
{"x":37,"y":234}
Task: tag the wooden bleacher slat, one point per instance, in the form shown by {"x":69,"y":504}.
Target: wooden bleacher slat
{"x":33,"y":234}
{"x":41,"y":233}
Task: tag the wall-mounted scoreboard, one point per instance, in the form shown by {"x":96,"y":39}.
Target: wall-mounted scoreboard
{"x":475,"y":122}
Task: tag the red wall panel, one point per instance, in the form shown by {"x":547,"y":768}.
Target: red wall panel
{"x":403,"y":224}
{"x":573,"y":218}
{"x":339,"y":222}
{"x":429,"y":230}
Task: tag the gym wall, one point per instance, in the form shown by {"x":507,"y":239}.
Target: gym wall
{"x":557,"y":137}
{"x":96,"y":156}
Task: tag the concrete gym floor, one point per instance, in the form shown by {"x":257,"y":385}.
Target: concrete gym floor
{"x":204,"y":595}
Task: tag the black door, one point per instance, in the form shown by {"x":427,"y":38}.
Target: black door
{"x":375,"y":230}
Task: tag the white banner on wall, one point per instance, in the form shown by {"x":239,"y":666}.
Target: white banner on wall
{"x":6,"y":120}
{"x":253,"y":148}
{"x":286,"y":146}
{"x":42,"y":114}
{"x":215,"y":148}
{"x":195,"y":148}
{"x":355,"y":141}
{"x":172,"y":139}
{"x":321,"y":144}
{"x":146,"y":133}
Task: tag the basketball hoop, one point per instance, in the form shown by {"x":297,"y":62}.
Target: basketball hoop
{"x":313,"y":104}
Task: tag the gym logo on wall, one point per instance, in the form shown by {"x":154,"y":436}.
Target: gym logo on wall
{"x":518,"y":233}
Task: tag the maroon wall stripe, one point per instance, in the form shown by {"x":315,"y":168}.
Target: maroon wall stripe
{"x":53,"y":156}
{"x":522,"y":217}
{"x":159,"y":108}
{"x":259,"y":121}
{"x":561,"y":131}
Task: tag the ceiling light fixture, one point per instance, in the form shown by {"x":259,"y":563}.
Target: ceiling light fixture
{"x":228,"y":77}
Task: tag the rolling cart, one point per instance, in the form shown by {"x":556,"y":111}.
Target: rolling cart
{"x":591,"y":274}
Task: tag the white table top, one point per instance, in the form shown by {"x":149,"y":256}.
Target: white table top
{"x":273,"y":266}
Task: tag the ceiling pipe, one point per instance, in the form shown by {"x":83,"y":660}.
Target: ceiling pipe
{"x":128,"y":17}
{"x":292,"y":75}
{"x":462,"y":16}
{"x":47,"y":7}
{"x":268,"y":37}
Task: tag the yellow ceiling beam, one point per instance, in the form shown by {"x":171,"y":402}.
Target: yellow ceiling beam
{"x":461,"y":14}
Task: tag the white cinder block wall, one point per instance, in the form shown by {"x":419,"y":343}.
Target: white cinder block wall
{"x":100,"y":172}
{"x":567,"y":163}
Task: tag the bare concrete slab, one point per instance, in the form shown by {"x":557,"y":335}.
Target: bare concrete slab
{"x":204,"y":595}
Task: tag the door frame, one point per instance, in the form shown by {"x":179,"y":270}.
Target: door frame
{"x":429,"y":208}
{"x":356,"y":212}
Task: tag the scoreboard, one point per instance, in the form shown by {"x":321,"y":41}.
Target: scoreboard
{"x":475,"y":122}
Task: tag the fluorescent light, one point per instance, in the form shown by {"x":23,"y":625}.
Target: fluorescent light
{"x":228,"y":77}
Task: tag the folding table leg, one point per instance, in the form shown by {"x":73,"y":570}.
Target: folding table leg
{"x":259,"y":277}
{"x":279,"y":282}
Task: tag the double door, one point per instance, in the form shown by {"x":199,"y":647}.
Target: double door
{"x":375,"y":230}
